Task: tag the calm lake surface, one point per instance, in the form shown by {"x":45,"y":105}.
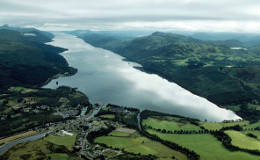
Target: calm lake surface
{"x":106,"y":78}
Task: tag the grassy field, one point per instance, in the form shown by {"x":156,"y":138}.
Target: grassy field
{"x":253,"y":125}
{"x":207,"y":146}
{"x":62,"y":156}
{"x":218,"y":126}
{"x":38,"y":150}
{"x":256,"y":133}
{"x":108,"y":116}
{"x":169,"y":123}
{"x":58,"y":156}
{"x":67,"y":141}
{"x":28,"y":151}
{"x":119,"y":134}
{"x":18,"y":136}
{"x":242,"y":141}
{"x":135,"y":143}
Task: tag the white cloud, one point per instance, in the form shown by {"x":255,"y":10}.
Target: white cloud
{"x":221,"y":15}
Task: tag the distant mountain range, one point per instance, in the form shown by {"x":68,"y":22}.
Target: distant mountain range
{"x":31,"y":33}
{"x":248,"y":39}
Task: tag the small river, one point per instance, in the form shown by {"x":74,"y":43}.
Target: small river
{"x":22,"y":140}
{"x":106,"y":78}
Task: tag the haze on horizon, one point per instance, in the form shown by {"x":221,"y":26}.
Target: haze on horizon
{"x":186,"y":15}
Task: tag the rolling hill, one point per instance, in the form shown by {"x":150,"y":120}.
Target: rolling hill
{"x":212,"y":69}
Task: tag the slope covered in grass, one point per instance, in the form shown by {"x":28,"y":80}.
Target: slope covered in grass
{"x":169,"y":124}
{"x":135,"y":143}
{"x":243,"y":141}
{"x":212,"y":70}
{"x":206,"y":145}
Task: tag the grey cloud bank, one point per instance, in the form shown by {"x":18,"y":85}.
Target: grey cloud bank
{"x":192,"y":15}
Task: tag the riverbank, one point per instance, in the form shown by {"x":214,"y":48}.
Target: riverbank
{"x":5,"y":140}
{"x":21,"y":139}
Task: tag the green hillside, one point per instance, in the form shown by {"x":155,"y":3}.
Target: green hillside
{"x":211,"y":69}
{"x":29,"y":62}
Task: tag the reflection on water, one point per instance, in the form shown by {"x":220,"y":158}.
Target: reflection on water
{"x":106,"y":78}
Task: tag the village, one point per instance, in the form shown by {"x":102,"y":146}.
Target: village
{"x":84,"y":124}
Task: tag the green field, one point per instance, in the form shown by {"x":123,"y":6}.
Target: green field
{"x":135,"y":143}
{"x":38,"y":150}
{"x":58,"y":156}
{"x":119,"y":134}
{"x":219,"y":125}
{"x":207,"y":146}
{"x":256,"y":133}
{"x":242,"y":141}
{"x":169,"y":123}
{"x":108,"y":116}
{"x":253,"y":125}
{"x":30,"y":149}
{"x":67,"y":141}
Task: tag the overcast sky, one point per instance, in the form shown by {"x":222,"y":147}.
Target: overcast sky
{"x":190,"y":15}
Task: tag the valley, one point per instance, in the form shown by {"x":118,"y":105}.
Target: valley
{"x":211,"y":69}
{"x":73,"y":116}
{"x":113,"y":133}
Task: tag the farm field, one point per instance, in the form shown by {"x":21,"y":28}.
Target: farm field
{"x":107,"y":116}
{"x":253,"y":125}
{"x":207,"y":146}
{"x":135,"y":143}
{"x":67,"y":141}
{"x":169,"y":123}
{"x":256,"y":133}
{"x":58,"y":156}
{"x":219,"y":125}
{"x":243,"y":141}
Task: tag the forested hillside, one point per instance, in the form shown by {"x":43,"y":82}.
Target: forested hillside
{"x":26,"y":60}
{"x":212,"y":69}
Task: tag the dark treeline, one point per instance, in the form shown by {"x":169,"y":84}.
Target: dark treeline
{"x":37,"y":120}
{"x":226,"y":140}
{"x":191,"y":155}
{"x":205,"y":131}
{"x":147,"y":113}
{"x":124,"y":107}
{"x":125,"y":115}
{"x":102,"y":132}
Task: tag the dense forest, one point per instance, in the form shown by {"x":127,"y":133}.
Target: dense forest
{"x":26,"y":60}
